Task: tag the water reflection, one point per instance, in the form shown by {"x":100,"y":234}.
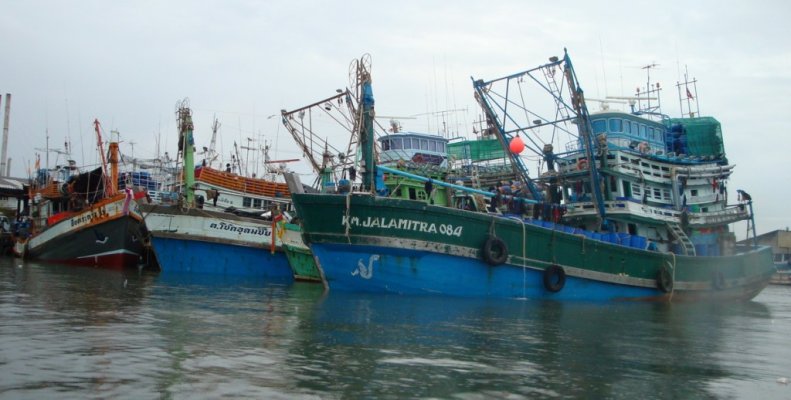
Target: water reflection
{"x":431,"y":346}
{"x":80,"y":332}
{"x":227,"y":336}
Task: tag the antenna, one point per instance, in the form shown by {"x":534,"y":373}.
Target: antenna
{"x":649,"y":91}
{"x":687,"y":96}
{"x":247,"y":155}
{"x":48,"y":150}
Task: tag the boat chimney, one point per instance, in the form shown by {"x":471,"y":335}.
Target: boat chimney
{"x":4,"y":151}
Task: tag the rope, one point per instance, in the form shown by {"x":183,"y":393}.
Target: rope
{"x":491,"y":227}
{"x":348,"y":225}
{"x":524,"y":255}
{"x":673,"y":288}
{"x":524,"y":258}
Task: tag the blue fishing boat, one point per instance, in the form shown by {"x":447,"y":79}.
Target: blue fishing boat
{"x":187,"y":238}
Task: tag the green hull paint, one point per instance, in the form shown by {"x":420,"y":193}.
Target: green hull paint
{"x":416,"y":225}
{"x":299,"y":256}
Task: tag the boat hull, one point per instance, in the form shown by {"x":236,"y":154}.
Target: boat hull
{"x":204,"y":242}
{"x":384,"y":245}
{"x":109,"y":235}
{"x":299,"y":255}
{"x":203,"y":257}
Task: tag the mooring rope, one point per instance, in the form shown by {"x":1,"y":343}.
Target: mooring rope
{"x":348,"y":208}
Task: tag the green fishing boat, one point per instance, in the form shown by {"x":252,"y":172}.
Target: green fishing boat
{"x":620,"y":214}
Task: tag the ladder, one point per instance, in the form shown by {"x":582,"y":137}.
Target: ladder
{"x":687,"y":247}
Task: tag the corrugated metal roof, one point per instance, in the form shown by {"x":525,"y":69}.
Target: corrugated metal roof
{"x":9,"y":183}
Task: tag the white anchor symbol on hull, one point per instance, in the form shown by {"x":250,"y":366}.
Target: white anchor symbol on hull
{"x":362,"y":270}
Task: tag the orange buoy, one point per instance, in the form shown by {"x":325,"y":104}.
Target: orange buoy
{"x":517,"y":145}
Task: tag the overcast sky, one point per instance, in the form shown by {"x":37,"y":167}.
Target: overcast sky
{"x":127,"y":63}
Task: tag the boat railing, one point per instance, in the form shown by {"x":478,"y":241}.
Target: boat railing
{"x":697,"y":219}
{"x":726,"y":216}
{"x":243,"y":184}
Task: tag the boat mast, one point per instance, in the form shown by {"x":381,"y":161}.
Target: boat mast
{"x":108,"y":189}
{"x":366,"y":128}
{"x":585,"y":129}
{"x":5,"y":169}
{"x":186,"y":146}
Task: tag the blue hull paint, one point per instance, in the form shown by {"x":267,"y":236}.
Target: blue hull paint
{"x":419,"y":272}
{"x":192,"y":256}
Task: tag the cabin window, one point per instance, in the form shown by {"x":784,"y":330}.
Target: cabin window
{"x":412,"y":194}
{"x":627,"y":189}
{"x":657,"y":193}
{"x":256,"y":203}
{"x":637,"y":190}
{"x":642,"y":131}
{"x":627,"y":127}
{"x":246,"y":202}
{"x":397,"y":144}
{"x":599,"y":126}
{"x":693,"y":192}
{"x":385,"y":145}
{"x":432,"y":145}
{"x":423,"y":144}
{"x":616,"y":125}
{"x":631,"y":228}
{"x":666,"y":195}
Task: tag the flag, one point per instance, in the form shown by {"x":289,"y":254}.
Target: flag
{"x":689,"y":94}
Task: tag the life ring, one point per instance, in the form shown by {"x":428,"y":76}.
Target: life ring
{"x":582,"y":163}
{"x":664,"y":279}
{"x":495,"y":252}
{"x":554,"y":278}
{"x":718,"y":280}
{"x":643,"y":147}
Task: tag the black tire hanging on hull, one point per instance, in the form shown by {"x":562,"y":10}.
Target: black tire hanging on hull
{"x":554,"y":278}
{"x":495,"y":252}
{"x":664,"y":279}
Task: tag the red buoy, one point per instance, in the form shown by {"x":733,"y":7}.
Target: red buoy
{"x":517,"y":145}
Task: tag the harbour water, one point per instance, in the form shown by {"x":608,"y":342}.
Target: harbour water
{"x":69,"y":332}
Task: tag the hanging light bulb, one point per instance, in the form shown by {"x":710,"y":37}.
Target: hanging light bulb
{"x":517,"y":145}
